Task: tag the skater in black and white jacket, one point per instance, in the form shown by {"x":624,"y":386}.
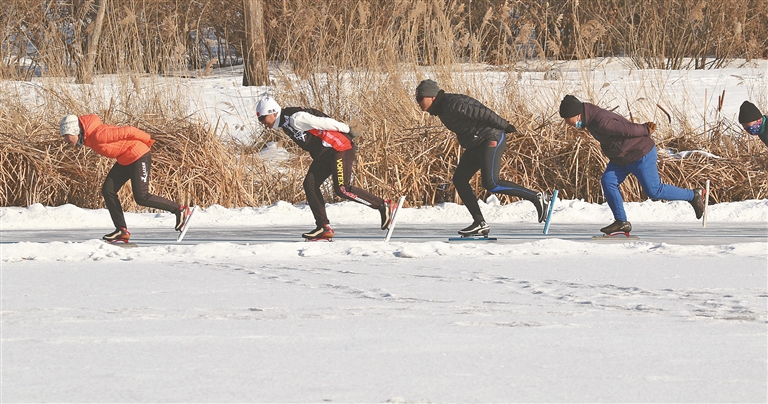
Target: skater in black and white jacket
{"x":482,"y":133}
{"x":331,"y":145}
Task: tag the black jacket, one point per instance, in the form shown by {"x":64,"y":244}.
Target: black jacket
{"x":468,"y":118}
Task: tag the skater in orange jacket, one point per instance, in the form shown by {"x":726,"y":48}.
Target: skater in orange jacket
{"x":130,"y":146}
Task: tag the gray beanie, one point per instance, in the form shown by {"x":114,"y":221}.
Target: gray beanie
{"x":427,"y":88}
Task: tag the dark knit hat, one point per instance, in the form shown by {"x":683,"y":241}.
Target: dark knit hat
{"x":749,"y":112}
{"x":570,"y":106}
{"x":427,"y":88}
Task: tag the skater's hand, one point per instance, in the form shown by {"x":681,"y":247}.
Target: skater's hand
{"x":651,"y":126}
{"x":510,"y":129}
{"x":352,"y":133}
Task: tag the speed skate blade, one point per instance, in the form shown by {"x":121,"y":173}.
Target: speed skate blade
{"x":473,"y":238}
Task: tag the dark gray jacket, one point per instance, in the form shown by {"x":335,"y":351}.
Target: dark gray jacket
{"x":468,"y":118}
{"x":622,"y":141}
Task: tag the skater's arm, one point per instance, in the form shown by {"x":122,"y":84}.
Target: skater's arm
{"x":476,"y":111}
{"x":625,"y":128}
{"x":118,"y":133}
{"x":304,"y":121}
{"x":336,"y":139}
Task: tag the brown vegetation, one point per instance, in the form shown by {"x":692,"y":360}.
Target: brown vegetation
{"x":358,"y":61}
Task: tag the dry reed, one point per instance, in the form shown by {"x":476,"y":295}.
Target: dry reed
{"x":358,"y":61}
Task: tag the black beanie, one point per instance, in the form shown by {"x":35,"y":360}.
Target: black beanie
{"x":427,"y":88}
{"x":749,"y":112}
{"x":570,"y":106}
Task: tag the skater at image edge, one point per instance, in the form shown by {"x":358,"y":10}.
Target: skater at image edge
{"x":753,"y":121}
{"x":630,"y":150}
{"x":331,"y":145}
{"x":131,"y":147}
{"x":482,"y":133}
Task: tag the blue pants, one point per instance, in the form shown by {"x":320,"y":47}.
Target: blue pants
{"x":647,"y":173}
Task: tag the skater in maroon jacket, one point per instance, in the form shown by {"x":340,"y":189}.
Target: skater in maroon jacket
{"x":630,"y":150}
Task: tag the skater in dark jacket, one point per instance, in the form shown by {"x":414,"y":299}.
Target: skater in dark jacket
{"x":753,"y":121}
{"x":482,"y":133}
{"x":130,"y":146}
{"x":630,"y":150}
{"x":331,"y":145}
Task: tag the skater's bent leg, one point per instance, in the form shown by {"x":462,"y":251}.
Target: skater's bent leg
{"x":491,"y":165}
{"x":467,"y":167}
{"x":647,"y":172}
{"x":116,"y":178}
{"x":140,"y":171}
{"x":342,"y":182}
{"x":613,"y":176}
{"x":317,"y":173}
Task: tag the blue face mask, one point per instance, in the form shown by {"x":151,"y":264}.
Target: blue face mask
{"x":756,"y":128}
{"x":579,"y":125}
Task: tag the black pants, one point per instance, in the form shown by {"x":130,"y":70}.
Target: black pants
{"x":138,"y":173}
{"x":339,"y":165}
{"x":487,"y":159}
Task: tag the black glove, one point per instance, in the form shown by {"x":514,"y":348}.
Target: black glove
{"x":510,"y":129}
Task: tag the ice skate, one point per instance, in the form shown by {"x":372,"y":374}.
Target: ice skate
{"x":616,"y":228}
{"x":324,"y":232}
{"x":386,"y":213}
{"x":476,"y":229}
{"x":117,"y":236}
{"x":699,"y":196}
{"x":182,"y":216}
{"x":542,"y":205}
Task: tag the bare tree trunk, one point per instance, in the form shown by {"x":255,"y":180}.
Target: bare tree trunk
{"x":254,"y":51}
{"x":92,"y":35}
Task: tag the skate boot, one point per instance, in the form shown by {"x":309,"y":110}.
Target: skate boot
{"x":118,"y":235}
{"x":699,"y":196}
{"x":386,"y":211}
{"x":182,"y":215}
{"x":476,"y":229}
{"x":324,"y":232}
{"x":542,"y":205}
{"x":617,"y":227}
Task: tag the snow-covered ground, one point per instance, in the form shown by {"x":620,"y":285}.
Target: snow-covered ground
{"x":418,"y":319}
{"x":241,"y":312}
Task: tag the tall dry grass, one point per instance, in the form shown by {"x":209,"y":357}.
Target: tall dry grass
{"x":359,"y":62}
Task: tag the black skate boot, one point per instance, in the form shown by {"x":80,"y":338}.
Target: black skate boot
{"x":181,"y":217}
{"x":617,"y":227}
{"x":386,"y":211}
{"x":476,"y":229}
{"x":324,"y":232}
{"x":542,"y":205}
{"x":699,"y":196}
{"x":118,"y":235}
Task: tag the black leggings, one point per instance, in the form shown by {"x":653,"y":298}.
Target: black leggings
{"x":339,"y":165}
{"x":487,"y":159}
{"x":138,"y":173}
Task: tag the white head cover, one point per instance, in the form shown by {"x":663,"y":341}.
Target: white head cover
{"x":268,"y":106}
{"x":69,"y":125}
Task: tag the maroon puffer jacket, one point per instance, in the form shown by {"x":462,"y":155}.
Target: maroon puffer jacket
{"x":622,"y":141}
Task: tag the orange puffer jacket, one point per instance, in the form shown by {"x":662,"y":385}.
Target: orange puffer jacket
{"x":125,"y":143}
